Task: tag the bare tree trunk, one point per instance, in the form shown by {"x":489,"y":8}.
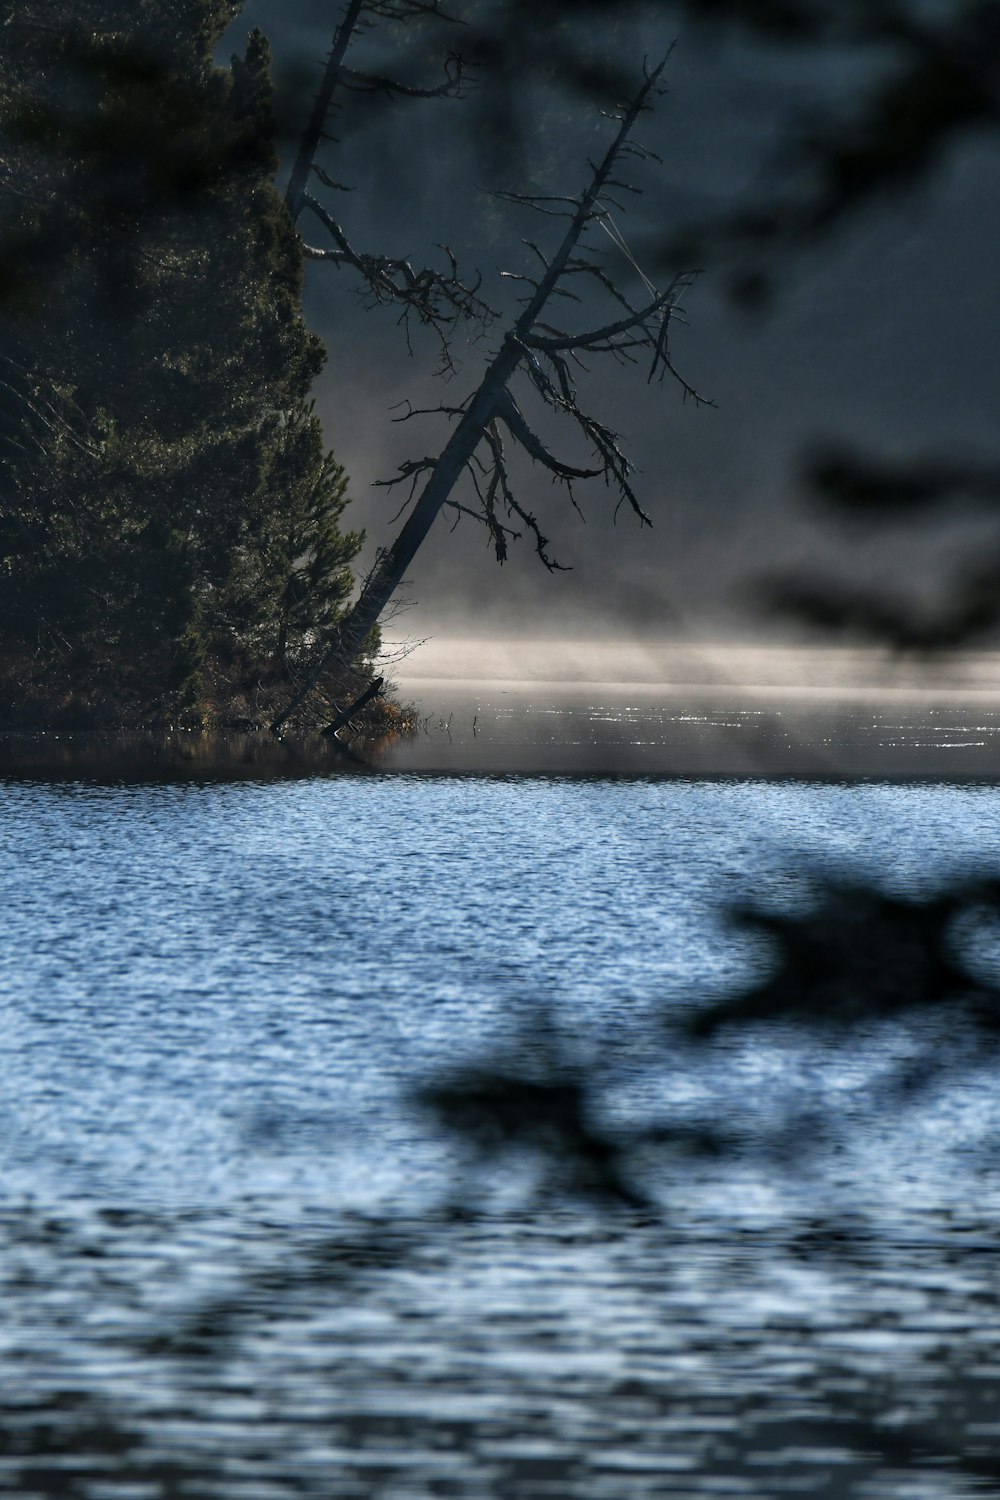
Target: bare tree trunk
{"x":391,"y":567}
{"x":347,"y":714}
{"x":313,"y":133}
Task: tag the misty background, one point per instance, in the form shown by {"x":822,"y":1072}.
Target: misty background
{"x":882,"y":336}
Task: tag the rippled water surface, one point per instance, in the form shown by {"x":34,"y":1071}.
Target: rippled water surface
{"x":239,"y":1260}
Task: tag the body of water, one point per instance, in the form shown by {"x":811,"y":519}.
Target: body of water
{"x":240,"y":1257}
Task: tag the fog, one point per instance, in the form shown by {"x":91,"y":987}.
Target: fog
{"x":718,"y":669}
{"x":882,"y":337}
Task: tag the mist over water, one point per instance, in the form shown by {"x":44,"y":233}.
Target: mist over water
{"x":607,"y":706}
{"x":717,"y":668}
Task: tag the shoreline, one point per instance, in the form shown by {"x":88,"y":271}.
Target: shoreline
{"x":583,"y":730}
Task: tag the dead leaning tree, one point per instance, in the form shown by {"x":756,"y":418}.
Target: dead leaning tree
{"x":544,"y":354}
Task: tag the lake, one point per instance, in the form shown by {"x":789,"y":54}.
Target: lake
{"x":242,"y":1258}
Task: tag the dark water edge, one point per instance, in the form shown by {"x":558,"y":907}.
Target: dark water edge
{"x":577,"y":730}
{"x":179,"y":755}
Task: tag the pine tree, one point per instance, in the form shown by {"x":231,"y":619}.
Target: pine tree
{"x":166,"y":496}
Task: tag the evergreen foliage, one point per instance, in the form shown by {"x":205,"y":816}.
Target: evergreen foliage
{"x":166,"y":502}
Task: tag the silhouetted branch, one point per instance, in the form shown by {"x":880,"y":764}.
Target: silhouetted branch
{"x":374,"y":83}
{"x":512,"y":418}
{"x":615,"y":466}
{"x":345,"y":715}
{"x":409,"y":10}
{"x":439,"y":299}
{"x":497,"y":483}
{"x":501,"y":483}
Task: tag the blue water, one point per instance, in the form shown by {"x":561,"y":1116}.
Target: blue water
{"x":232,"y":1259}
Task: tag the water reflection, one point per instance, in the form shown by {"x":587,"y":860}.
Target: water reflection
{"x":609,"y":729}
{"x":182,"y":755}
{"x":566,"y":729}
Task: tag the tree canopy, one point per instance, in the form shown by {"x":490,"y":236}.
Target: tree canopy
{"x":168,"y":501}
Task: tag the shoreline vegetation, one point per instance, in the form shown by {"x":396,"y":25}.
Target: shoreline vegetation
{"x":232,"y":709}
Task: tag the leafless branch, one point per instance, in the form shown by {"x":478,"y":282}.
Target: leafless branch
{"x":315,"y":252}
{"x":501,"y":483}
{"x":426,"y":411}
{"x":497,"y":531}
{"x":409,"y":467}
{"x":539,"y":203}
{"x":614,"y":465}
{"x":530,"y":245}
{"x":406,"y":10}
{"x":328,"y":181}
{"x":533,"y":445}
{"x":663,"y":303}
{"x":438,"y":299}
{"x":462,"y":510}
{"x":410,"y":470}
{"x":375,"y":83}
{"x":531,"y":281}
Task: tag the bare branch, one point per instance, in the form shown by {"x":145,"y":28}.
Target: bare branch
{"x":664,"y":302}
{"x":615,"y":467}
{"x":539,"y":203}
{"x":411,"y":468}
{"x":489,"y":502}
{"x":589,"y":268}
{"x":589,"y":199}
{"x":530,"y":245}
{"x":426,"y":411}
{"x":406,"y":10}
{"x":438,"y":299}
{"x":513,"y":507}
{"x":518,"y":427}
{"x":374,"y":83}
{"x":314,"y":252}
{"x":328,"y":181}
{"x":532,"y":198}
{"x":313,"y":133}
{"x":335,"y":72}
